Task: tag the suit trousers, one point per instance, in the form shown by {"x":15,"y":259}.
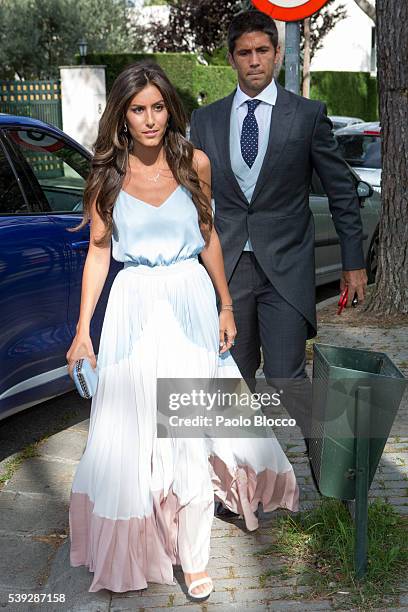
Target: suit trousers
{"x":264,"y":319}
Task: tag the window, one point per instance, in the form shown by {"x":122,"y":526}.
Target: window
{"x":361,"y":150}
{"x":12,"y":201}
{"x":60,"y":169}
{"x":337,"y":125}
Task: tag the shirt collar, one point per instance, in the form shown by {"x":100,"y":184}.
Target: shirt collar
{"x":267,"y":95}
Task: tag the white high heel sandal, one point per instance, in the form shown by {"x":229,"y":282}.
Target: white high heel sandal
{"x":199,"y":582}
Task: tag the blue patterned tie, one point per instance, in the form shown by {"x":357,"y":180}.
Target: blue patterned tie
{"x":249,"y":134}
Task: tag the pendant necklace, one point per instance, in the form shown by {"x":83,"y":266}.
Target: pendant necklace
{"x":154,"y":178}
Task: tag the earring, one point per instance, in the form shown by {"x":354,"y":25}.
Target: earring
{"x":125,"y":128}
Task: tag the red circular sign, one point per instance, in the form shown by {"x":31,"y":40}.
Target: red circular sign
{"x":289,"y":10}
{"x":37,"y":141}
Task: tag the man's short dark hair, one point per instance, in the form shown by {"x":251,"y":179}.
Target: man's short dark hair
{"x":252,"y":21}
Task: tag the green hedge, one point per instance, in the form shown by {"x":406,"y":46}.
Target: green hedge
{"x":178,"y":66}
{"x":214,"y":82}
{"x":353,"y":94}
{"x":345,"y":93}
{"x":190,"y":78}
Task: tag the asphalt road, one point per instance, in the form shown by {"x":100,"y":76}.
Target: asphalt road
{"x":31,"y":425}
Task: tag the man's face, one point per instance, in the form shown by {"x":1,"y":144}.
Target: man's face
{"x":254,"y":59}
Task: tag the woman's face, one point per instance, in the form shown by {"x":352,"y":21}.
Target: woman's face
{"x":147,"y":116}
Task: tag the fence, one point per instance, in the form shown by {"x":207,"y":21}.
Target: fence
{"x":37,"y":99}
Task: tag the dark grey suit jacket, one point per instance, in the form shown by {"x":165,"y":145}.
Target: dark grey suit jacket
{"x":278,"y":221}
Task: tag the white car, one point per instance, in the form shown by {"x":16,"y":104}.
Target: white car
{"x":341,"y":122}
{"x":361,"y":147}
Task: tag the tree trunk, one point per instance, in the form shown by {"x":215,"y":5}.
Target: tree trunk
{"x":281,"y":32}
{"x":368,"y":7}
{"x":391,"y":292}
{"x":306,"y":59}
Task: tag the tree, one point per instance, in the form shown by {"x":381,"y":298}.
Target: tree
{"x":108,"y":25}
{"x":45,"y":33}
{"x":41,"y":36}
{"x":198,"y":26}
{"x":307,"y":56}
{"x":312,"y":34}
{"x":391,"y":291}
{"x":321,"y":23}
{"x":201,"y":27}
{"x":368,"y":6}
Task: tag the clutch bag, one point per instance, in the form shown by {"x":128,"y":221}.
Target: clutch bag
{"x":85,"y":377}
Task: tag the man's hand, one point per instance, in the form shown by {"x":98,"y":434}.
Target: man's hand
{"x":356,"y":281}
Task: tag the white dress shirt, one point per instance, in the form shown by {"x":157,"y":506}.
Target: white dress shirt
{"x":263,"y":114}
{"x":263,"y":111}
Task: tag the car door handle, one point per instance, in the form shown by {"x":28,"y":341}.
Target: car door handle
{"x":81,"y":244}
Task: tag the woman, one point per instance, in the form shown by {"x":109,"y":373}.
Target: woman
{"x":139,"y":503}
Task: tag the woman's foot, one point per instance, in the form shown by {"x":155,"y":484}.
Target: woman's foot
{"x":203,"y":589}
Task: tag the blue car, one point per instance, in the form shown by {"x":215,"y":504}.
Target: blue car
{"x":42,"y":175}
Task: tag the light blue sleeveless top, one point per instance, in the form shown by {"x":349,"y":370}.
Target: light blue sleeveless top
{"x":156,"y":235}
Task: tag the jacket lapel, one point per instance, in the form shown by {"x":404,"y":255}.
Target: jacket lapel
{"x":223,"y":128}
{"x":282,"y":116}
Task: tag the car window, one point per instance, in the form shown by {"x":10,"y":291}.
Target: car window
{"x":360,"y":150}
{"x":60,"y":169}
{"x":12,"y":201}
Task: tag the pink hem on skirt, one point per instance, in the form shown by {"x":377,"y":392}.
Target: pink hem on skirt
{"x":242,"y":489}
{"x":126,"y":554}
{"x":123,"y":554}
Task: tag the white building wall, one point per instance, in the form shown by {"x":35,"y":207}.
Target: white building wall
{"x":348,"y":46}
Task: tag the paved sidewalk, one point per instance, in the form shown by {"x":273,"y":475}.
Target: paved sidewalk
{"x":34,"y":520}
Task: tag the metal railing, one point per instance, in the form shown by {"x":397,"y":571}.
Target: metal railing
{"x":37,"y":99}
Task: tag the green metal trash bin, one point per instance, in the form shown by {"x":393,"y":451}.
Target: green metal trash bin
{"x":338,"y":372}
{"x":356,"y":396}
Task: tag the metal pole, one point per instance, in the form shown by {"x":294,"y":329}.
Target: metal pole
{"x":362,"y":475}
{"x":292,"y":56}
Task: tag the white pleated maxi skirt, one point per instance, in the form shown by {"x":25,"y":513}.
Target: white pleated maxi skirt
{"x":141,"y":504}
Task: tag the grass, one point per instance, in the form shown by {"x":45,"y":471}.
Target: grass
{"x":318,"y":547}
{"x":12,"y":465}
{"x":280,"y":572}
{"x":309,"y":348}
{"x":170,"y":601}
{"x":33,"y":450}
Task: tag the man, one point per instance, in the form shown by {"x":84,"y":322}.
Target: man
{"x":263,"y":143}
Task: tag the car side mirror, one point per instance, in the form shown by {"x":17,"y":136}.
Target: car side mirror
{"x":364,"y":190}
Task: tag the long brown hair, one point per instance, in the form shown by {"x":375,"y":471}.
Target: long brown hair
{"x":113,"y":144}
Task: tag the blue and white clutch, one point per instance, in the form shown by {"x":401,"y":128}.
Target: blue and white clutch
{"x":85,"y":377}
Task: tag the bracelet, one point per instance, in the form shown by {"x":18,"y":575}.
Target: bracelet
{"x":227,"y":307}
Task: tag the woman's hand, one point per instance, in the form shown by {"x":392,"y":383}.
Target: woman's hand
{"x":228,"y":331}
{"x":80,"y":347}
